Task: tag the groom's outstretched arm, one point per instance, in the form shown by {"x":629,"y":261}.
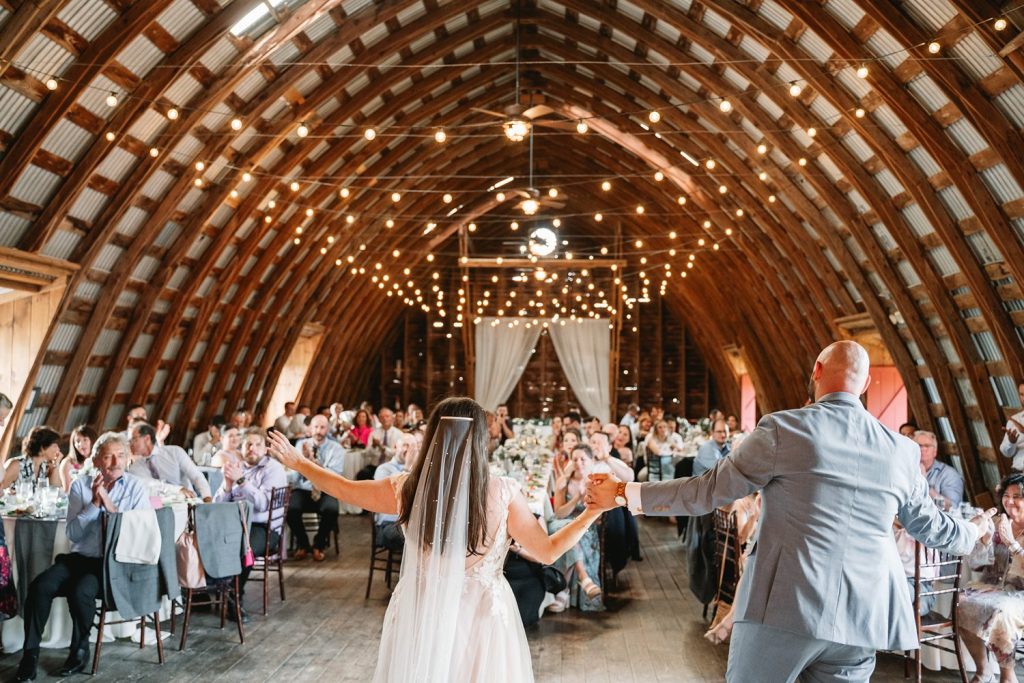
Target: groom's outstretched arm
{"x":745,"y":470}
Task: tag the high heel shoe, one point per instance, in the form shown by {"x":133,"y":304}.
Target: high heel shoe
{"x":589,"y":588}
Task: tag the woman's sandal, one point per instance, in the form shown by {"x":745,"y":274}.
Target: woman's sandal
{"x":718,"y":634}
{"x":589,"y":588}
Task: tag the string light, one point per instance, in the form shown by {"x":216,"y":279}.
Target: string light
{"x":447,"y":198}
{"x":294,"y":186}
{"x":795,"y":90}
{"x":725,"y":106}
{"x":200,"y":166}
{"x":154,"y":152}
{"x":999,"y":25}
{"x":598,"y":217}
{"x":236,"y":124}
{"x":659,"y":176}
{"x":112,"y":100}
{"x":934,"y":47}
{"x":859,"y":113}
{"x":172,"y":114}
{"x":862,"y":71}
{"x":440,"y":136}
{"x":605,"y":186}
{"x":51,"y":84}
{"x":369,"y":133}
{"x":582,"y":127}
{"x":396,"y":197}
{"x":654,"y":116}
{"x":762,"y":149}
{"x":710,"y":164}
{"x":681,"y":200}
{"x":302,"y":131}
{"x":110,"y":136}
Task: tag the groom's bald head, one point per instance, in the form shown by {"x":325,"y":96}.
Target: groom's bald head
{"x":841,"y":366}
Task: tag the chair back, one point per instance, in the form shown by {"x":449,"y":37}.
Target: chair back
{"x":279,"y":499}
{"x":935,"y":573}
{"x":136,"y":589}
{"x":727,"y":554}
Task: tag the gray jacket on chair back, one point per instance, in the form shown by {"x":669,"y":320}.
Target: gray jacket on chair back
{"x":136,"y":589}
{"x":825,"y":563}
{"x":220,"y":537}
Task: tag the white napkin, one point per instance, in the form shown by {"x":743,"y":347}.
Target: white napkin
{"x":139,"y":540}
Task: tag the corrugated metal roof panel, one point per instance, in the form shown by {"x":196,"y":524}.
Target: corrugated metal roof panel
{"x":42,"y":57}
{"x":12,"y":228}
{"x":1002,"y":183}
{"x":932,"y":14}
{"x":908,"y":274}
{"x":917,"y":221}
{"x":775,"y":14}
{"x":987,"y":347}
{"x":87,"y":17}
{"x":49,"y":377}
{"x":815,"y":46}
{"x":984,"y":249}
{"x":220,"y":56}
{"x":91,"y":379}
{"x":90,"y":291}
{"x":66,"y":140}
{"x":158,"y":184}
{"x":966,"y":392}
{"x":924,"y":161}
{"x":181,"y":19}
{"x":140,"y":56}
{"x":226,"y":255}
{"x":159,"y":379}
{"x":88,"y":205}
{"x":288,"y":53}
{"x":65,"y":338}
{"x":62,"y":244}
{"x":107,"y":257}
{"x":943,"y":261}
{"x":929,"y":388}
{"x":141,"y":347}
{"x":860,"y":149}
{"x":955,"y":203}
{"x":753,"y":48}
{"x":179,"y":278}
{"x":106,"y":342}
{"x":344,"y":55}
{"x":976,"y":57}
{"x":888,"y":181}
{"x":15,"y":109}
{"x":1011,"y":103}
{"x":892,"y":124}
{"x":35,"y":185}
{"x":857,"y":87}
{"x":148,"y":125}
{"x":127,"y":380}
{"x":980,"y":434}
{"x":183,"y":89}
{"x":884,"y":237}
{"x":928,"y":93}
{"x":198,"y":247}
{"x":966,"y":136}
{"x":324,"y":25}
{"x":146,"y":268}
{"x":171,"y":349}
{"x":1005,"y":390}
{"x":886,"y":48}
{"x":128,"y":298}
{"x":168,"y":235}
{"x":718,"y":24}
{"x":846,"y":12}
{"x":94,"y":98}
{"x":116,"y":165}
{"x":700,"y":53}
{"x":132,"y":221}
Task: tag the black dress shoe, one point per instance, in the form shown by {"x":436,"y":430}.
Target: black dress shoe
{"x":76,"y":662}
{"x":27,"y":667}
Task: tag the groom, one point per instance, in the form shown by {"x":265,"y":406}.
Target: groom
{"x":824,"y":587}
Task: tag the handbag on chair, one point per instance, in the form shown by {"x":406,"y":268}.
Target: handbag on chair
{"x":190,"y":565}
{"x":248,"y":558}
{"x":8,"y":591}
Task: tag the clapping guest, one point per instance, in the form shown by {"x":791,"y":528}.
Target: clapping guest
{"x":571,"y":439}
{"x":206,"y":444}
{"x":241,"y":419}
{"x":505,"y":422}
{"x":167,"y":464}
{"x":231,"y":447}
{"x":662,"y":443}
{"x":644,"y":426}
{"x":82,"y":439}
{"x":358,"y":435}
{"x":389,"y":532}
{"x":632,"y":413}
{"x":943,"y":480}
{"x":572,"y":420}
{"x":581,"y":565}
{"x":385,"y":439}
{"x":621,"y":444}
{"x":990,"y":614}
{"x":307,"y":498}
{"x":253,"y":478}
{"x":413,"y":416}
{"x":37,"y":464}
{"x":1012,"y":445}
{"x":710,"y":452}
{"x":77,"y":575}
{"x":284,"y":422}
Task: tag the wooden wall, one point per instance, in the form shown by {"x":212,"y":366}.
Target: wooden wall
{"x":24,"y":321}
{"x":300,"y":362}
{"x":659,"y":365}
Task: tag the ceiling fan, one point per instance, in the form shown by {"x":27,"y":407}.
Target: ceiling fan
{"x":532,"y":199}
{"x":518,"y":119}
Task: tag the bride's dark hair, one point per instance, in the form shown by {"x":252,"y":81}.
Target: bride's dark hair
{"x":479,"y":471}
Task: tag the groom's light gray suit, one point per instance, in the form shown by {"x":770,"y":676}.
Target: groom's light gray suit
{"x":824,"y":584}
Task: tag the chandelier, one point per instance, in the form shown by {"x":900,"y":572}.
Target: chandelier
{"x":516,"y":129}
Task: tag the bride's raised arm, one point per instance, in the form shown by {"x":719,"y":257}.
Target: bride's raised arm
{"x":374,"y":495}
{"x":523,"y":527}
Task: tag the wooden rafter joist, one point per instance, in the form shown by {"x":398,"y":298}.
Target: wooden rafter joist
{"x":543,"y":264}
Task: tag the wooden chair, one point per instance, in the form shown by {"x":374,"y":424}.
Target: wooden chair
{"x":218,"y":595}
{"x":934,"y":627}
{"x":311,"y":523}
{"x":381,"y":559}
{"x":727,"y":552}
{"x":272,"y":560}
{"x":104,"y":607}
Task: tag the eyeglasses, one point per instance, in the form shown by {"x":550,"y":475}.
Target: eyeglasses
{"x":1018,"y":498}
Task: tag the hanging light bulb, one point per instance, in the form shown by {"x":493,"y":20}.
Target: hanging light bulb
{"x":51,"y":83}
{"x":247,"y":177}
{"x":999,"y":24}
{"x":530,"y":206}
{"x":303,"y":130}
{"x":605,"y":186}
{"x":440,"y":136}
{"x":369,"y":133}
{"x":659,"y":176}
{"x":762,"y":148}
{"x":294,"y":186}
{"x":862,"y":71}
{"x":389,"y":224}
{"x":582,"y":127}
{"x":553,"y":192}
{"x":710,"y":164}
{"x":172,"y":114}
{"x":446,"y":198}
{"x":200,"y":166}
{"x":344,"y":193}
{"x":154,"y":152}
{"x":516,"y":129}
{"x":812,"y":131}
{"x":681,"y":200}
{"x":236,"y":124}
{"x":110,"y":136}
{"x":763,"y":175}
{"x":598,"y":217}
{"x":795,"y":90}
{"x":934,"y":47}
{"x":859,"y":113}
{"x":640,"y":208}
{"x":396,"y":197}
{"x":654,"y":116}
{"x":112,"y":99}
{"x":725,"y":106}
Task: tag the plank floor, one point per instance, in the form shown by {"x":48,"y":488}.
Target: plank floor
{"x":327,"y":632}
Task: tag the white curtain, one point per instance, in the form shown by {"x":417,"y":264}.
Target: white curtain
{"x":583,"y":348}
{"x":503,"y":348}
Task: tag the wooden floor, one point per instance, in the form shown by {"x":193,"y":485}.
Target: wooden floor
{"x":326,"y":631}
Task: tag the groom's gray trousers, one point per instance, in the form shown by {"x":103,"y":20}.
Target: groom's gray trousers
{"x":762,"y":654}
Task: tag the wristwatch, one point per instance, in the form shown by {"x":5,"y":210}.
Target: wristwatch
{"x":239,"y":481}
{"x":620,"y":494}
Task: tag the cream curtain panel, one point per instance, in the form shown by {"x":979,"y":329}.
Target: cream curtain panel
{"x":503,"y":348}
{"x":583,"y":348}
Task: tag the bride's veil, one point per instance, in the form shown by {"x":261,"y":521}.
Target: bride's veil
{"x":434,"y":559}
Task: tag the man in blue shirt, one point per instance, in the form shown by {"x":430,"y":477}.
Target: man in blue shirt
{"x":710,"y":452}
{"x":306,"y":498}
{"x":77,"y":575}
{"x":943,"y":479}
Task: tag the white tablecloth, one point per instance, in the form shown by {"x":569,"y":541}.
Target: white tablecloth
{"x":57,"y":633}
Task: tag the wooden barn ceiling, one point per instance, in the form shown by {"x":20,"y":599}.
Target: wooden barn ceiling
{"x":188,"y":288}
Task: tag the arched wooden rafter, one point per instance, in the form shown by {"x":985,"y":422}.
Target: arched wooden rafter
{"x":895,"y":214}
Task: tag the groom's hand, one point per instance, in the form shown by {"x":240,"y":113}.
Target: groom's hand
{"x":601,"y":489}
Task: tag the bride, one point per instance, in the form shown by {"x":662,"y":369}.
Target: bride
{"x":453,"y":616}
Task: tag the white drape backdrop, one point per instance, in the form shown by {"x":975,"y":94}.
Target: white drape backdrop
{"x":503,"y":348}
{"x":583,"y":348}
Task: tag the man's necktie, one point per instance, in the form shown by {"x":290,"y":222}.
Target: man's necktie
{"x":315,"y":492}
{"x":153,"y":471}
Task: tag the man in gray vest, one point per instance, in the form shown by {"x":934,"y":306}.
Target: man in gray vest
{"x":824,"y":587}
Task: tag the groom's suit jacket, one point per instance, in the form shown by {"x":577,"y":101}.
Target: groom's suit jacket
{"x":825,"y":563}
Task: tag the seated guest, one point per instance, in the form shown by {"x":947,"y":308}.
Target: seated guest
{"x":556,"y":433}
{"x":943,"y":479}
{"x":389,"y":532}
{"x":136,"y":413}
{"x":505,"y":422}
{"x":368,"y":407}
{"x":358,"y":435}
{"x":662,"y":443}
{"x":283,"y":423}
{"x":206,"y":444}
{"x":82,"y":439}
{"x":990,"y":614}
{"x":657,"y":414}
{"x":400,"y":418}
{"x":572,"y":420}
{"x":300,"y":423}
{"x":1012,"y":446}
{"x":167,"y":464}
{"x":644,"y":425}
{"x":733,"y":424}
{"x":307,"y":498}
{"x":240,"y":419}
{"x":908,"y":429}
{"x":621,"y":444}
{"x":571,"y":439}
{"x":253,"y":479}
{"x":581,"y":565}
{"x":385,"y":439}
{"x":710,"y":452}
{"x":76,"y":575}
{"x":632,"y":413}
{"x":37,"y":464}
{"x":6,"y":406}
{"x":592,"y":424}
{"x":413,"y":415}
{"x":231,"y":447}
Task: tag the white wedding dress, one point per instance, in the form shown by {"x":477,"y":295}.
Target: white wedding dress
{"x":490,"y":642}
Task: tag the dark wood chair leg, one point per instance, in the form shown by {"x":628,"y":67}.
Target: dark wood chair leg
{"x":223,"y":605}
{"x":280,"y":574}
{"x":369,"y":579}
{"x":238,"y":613}
{"x":337,"y":546}
{"x":159,"y":642}
{"x":906,"y":663}
{"x":174,"y":604}
{"x":142,"y":632}
{"x":99,"y":641}
{"x":917,"y":665}
{"x":188,"y":615}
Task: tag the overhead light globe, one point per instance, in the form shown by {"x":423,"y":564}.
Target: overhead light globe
{"x":516,"y":129}
{"x":530,"y":206}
